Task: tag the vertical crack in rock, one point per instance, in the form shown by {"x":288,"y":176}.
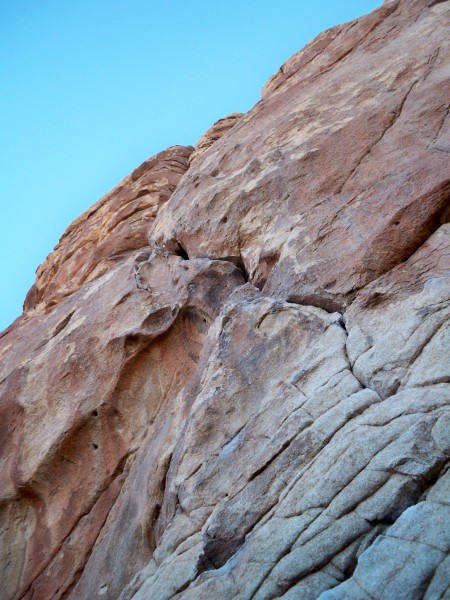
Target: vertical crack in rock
{"x":391,"y":122}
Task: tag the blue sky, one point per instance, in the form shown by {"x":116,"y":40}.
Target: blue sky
{"x":90,"y":89}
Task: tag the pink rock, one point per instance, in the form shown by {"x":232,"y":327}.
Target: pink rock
{"x":253,"y":403}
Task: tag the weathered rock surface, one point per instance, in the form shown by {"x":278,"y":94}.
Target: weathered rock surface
{"x":115,"y":225}
{"x":81,"y":388}
{"x":340,"y":172}
{"x":255,"y":402}
{"x":214,"y":133}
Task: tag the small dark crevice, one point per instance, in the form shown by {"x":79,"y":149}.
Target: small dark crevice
{"x":270,"y":461}
{"x":267,"y":263}
{"x":182,"y":587}
{"x":196,"y":470}
{"x":204,"y":564}
{"x":59,"y":327}
{"x":349,"y":569}
{"x":220,"y":548}
{"x":427,"y":481}
{"x":150,"y":533}
{"x":76,"y":576}
{"x":181,"y":251}
{"x":438,"y":133}
{"x":329,"y":304}
{"x":238,"y":262}
{"x":233,"y":438}
{"x":123,"y":299}
{"x":62,"y":324}
{"x":350,"y":365}
{"x":156,"y":513}
{"x":166,"y":467}
{"x":42,"y":343}
{"x":341,"y":322}
{"x":178,"y":507}
{"x":6,"y":331}
{"x":134,"y":343}
{"x":387,"y":519}
{"x":244,"y":271}
{"x":375,"y":300}
{"x":142,"y":258}
{"x":156,"y":528}
{"x":142,"y":192}
{"x":444,"y":216}
{"x":217,"y":552}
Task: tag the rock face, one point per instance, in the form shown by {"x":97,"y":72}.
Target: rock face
{"x":101,"y":236}
{"x":214,"y":133}
{"x":254,"y":401}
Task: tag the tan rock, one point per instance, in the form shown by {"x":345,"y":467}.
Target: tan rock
{"x":79,"y":393}
{"x":214,"y":133}
{"x":116,"y":224}
{"x":171,"y":431}
{"x":340,"y":172}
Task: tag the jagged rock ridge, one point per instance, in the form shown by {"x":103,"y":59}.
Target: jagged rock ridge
{"x":254,"y":402}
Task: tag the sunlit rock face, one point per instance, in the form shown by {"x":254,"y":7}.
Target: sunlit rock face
{"x":117,"y":224}
{"x":214,"y":133}
{"x":232,"y":376}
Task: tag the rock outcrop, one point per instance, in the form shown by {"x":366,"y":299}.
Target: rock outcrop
{"x":115,"y":225}
{"x":214,"y":133}
{"x":232,"y":376}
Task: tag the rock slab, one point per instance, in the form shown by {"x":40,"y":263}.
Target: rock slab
{"x":232,"y":376}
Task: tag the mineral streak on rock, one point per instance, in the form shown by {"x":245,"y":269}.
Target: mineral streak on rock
{"x":232,"y":376}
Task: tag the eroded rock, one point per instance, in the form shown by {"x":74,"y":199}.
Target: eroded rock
{"x":327,"y":462}
{"x":116,"y":224}
{"x":81,"y":390}
{"x":340,"y":172}
{"x":213,"y":134}
{"x":255,"y":403}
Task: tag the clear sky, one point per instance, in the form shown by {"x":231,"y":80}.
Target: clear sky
{"x":90,"y":89}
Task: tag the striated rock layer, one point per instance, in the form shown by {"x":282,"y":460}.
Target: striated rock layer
{"x":101,"y":236}
{"x":252,"y":402}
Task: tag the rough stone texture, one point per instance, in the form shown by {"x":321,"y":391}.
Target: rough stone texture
{"x":340,"y":172}
{"x":214,"y":133}
{"x":81,"y":389}
{"x":256,"y":405}
{"x":118,"y":223}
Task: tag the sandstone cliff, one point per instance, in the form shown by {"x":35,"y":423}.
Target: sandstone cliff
{"x":232,"y":375}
